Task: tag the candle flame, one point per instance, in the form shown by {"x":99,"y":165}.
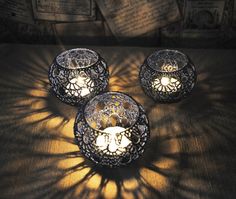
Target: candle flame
{"x":110,"y":140}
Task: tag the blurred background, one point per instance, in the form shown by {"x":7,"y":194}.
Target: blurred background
{"x":191,"y":24}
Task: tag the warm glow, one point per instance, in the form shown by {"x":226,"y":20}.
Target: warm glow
{"x":169,"y":68}
{"x":58,"y":163}
{"x":167,"y":84}
{"x":110,"y":190}
{"x":165,"y":81}
{"x":110,"y":140}
{"x":154,"y":179}
{"x":75,"y":85}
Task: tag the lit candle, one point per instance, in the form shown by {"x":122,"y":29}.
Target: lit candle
{"x":78,"y":74}
{"x":78,"y":86}
{"x":111,"y":129}
{"x":109,"y":140}
{"x":166,"y":84}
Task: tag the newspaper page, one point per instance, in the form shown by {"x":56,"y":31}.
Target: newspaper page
{"x":64,"y":10}
{"x":201,"y":19}
{"x":174,"y":30}
{"x":203,"y":14}
{"x":16,"y":10}
{"x":131,"y":18}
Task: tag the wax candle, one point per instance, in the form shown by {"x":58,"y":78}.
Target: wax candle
{"x":78,"y":86}
{"x":110,"y":140}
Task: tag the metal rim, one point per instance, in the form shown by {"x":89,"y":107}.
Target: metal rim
{"x":168,"y":50}
{"x":112,"y":92}
{"x":76,"y":49}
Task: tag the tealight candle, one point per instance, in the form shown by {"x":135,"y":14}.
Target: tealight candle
{"x":166,"y":84}
{"x":77,"y":75}
{"x":78,"y":86}
{"x":112,"y":129}
{"x":111,"y":141}
{"x":167,"y":75}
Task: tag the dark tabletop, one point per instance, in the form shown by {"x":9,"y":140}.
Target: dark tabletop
{"x":190,"y":155}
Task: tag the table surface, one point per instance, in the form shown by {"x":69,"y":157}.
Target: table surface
{"x":190,"y":155}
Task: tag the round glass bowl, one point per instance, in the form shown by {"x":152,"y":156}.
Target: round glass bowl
{"x":76,"y":75}
{"x":112,"y":129}
{"x":167,"y":75}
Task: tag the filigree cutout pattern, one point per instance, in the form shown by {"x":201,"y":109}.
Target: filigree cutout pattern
{"x":77,"y":75}
{"x":167,"y":76}
{"x":108,"y":140}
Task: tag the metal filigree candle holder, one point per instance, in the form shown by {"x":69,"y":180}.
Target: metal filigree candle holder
{"x":111,"y":129}
{"x":167,"y":75}
{"x":77,"y":75}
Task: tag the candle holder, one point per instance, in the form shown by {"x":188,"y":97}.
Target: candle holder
{"x":167,"y":75}
{"x":76,"y":75}
{"x":111,"y":129}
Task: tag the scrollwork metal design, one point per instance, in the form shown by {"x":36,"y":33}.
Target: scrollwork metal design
{"x":106,"y":111}
{"x":77,"y":75}
{"x":167,"y":75}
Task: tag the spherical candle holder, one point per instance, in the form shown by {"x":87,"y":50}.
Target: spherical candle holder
{"x":77,"y":75}
{"x":167,"y":75}
{"x":112,"y":129}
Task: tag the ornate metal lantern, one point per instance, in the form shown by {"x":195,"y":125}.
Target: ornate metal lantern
{"x":111,"y":129}
{"x":77,"y":75}
{"x":167,"y":75}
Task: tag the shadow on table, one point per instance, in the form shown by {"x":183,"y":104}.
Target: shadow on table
{"x":191,"y":145}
